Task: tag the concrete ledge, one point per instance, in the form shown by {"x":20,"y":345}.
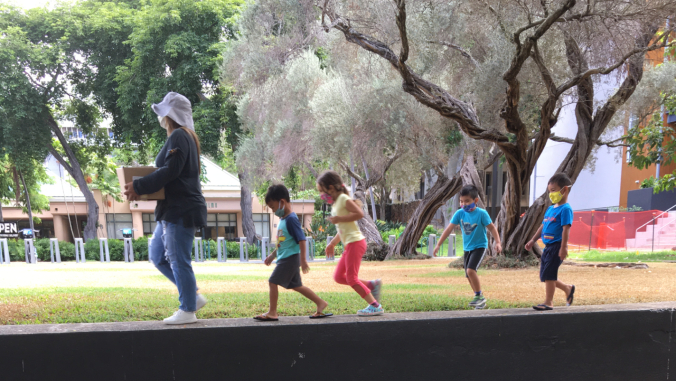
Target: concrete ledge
{"x":618,"y":342}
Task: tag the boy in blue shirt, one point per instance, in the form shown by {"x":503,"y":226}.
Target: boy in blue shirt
{"x":290,"y":254}
{"x":555,"y":229}
{"x":473,"y":222}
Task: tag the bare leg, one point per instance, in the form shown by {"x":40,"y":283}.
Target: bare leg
{"x":564,"y":287}
{"x":306,"y":292}
{"x":550,"y":287}
{"x":474,"y":280}
{"x":274,"y":295}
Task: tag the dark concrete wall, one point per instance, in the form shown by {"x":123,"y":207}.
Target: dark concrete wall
{"x":647,"y":200}
{"x":619,"y":344}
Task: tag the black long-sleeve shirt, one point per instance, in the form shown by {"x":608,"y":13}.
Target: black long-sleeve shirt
{"x":179,"y":174}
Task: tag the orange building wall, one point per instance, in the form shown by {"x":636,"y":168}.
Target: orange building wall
{"x":631,"y":174}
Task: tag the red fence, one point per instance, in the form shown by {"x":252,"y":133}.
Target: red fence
{"x":607,"y":230}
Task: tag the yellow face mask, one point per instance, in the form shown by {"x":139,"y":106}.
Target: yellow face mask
{"x":556,"y":196}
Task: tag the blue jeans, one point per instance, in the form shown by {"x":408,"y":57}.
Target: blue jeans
{"x":170,"y":249}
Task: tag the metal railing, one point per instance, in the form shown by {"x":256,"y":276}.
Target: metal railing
{"x":655,"y":217}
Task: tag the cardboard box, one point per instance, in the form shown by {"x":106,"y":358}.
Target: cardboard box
{"x":128,"y":174}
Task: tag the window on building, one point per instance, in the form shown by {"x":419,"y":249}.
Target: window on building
{"x":45,"y":229}
{"x":220,"y":225}
{"x":262,"y":224}
{"x":149,"y":224}
{"x":115,"y":222}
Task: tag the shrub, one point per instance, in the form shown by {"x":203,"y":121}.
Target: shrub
{"x":394,"y":231}
{"x":426,"y":233}
{"x":502,"y":261}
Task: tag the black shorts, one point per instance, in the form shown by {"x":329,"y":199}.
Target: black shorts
{"x":287,"y":272}
{"x":472,"y":259}
{"x":550,"y":262}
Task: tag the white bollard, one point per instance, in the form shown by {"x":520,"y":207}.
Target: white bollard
{"x":451,"y":243}
{"x":310,"y":249}
{"x":128,"y":250}
{"x":30,"y":252}
{"x":392,"y":239}
{"x":199,"y":249}
{"x":79,"y":250}
{"x":242,"y":242}
{"x":149,"y":241}
{"x":221,"y":249}
{"x":103,"y":248}
{"x":4,"y":252}
{"x":431,"y":243}
{"x":54,"y":252}
{"x":264,"y":247}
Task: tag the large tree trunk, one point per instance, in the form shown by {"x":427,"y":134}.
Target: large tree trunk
{"x":248,"y":228}
{"x":436,"y":196}
{"x":590,"y":128}
{"x":73,"y":168}
{"x":442,"y":191}
{"x":367,"y":225}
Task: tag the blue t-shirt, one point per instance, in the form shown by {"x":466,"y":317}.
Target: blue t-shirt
{"x":555,"y":219}
{"x":289,"y":235}
{"x":473,"y":225}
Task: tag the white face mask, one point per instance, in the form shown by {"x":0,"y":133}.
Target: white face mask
{"x":163,"y":121}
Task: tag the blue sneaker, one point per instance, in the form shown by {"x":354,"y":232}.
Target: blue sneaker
{"x":371,"y":311}
{"x":377,"y":286}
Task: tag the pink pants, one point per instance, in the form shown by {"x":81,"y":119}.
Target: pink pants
{"x":347,"y":270}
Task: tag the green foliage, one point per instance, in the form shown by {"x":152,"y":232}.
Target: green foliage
{"x":174,"y":46}
{"x":320,"y":228}
{"x":654,"y":143}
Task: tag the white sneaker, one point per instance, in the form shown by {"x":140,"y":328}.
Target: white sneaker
{"x":181,"y":317}
{"x":201,"y":301}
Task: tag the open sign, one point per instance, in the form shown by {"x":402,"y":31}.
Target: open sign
{"x":8,"y":230}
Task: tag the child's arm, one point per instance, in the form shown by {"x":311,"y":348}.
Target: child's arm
{"x":356,"y":213}
{"x":563,"y":251}
{"x":530,"y":243}
{"x":332,"y":244}
{"x":443,"y":237}
{"x":303,"y":257}
{"x":270,"y":258}
{"x":494,"y":232}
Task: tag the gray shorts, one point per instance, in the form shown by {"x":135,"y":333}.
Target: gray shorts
{"x":287,"y":272}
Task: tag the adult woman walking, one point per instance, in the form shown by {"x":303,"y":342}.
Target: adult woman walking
{"x":183,"y":210}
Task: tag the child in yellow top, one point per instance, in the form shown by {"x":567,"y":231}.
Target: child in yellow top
{"x":344,"y":214}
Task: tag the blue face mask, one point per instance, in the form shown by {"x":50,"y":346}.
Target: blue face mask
{"x":468,"y":208}
{"x":280,"y":211}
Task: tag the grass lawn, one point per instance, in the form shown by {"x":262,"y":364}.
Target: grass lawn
{"x":95,"y":292}
{"x":622,"y":256}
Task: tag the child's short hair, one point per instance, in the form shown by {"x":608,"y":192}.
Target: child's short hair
{"x":469,"y":190}
{"x":560,"y":179}
{"x":277,"y":192}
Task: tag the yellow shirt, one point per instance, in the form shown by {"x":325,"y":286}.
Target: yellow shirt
{"x":349,"y":231}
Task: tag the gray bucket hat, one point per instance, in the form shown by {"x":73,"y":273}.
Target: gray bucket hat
{"x":177,"y":107}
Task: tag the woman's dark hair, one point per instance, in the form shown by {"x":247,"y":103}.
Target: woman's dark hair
{"x":469,"y":190}
{"x":192,"y":133}
{"x":277,"y":192}
{"x":560,"y":179}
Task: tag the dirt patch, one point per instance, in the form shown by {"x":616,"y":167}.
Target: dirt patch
{"x":10,"y":312}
